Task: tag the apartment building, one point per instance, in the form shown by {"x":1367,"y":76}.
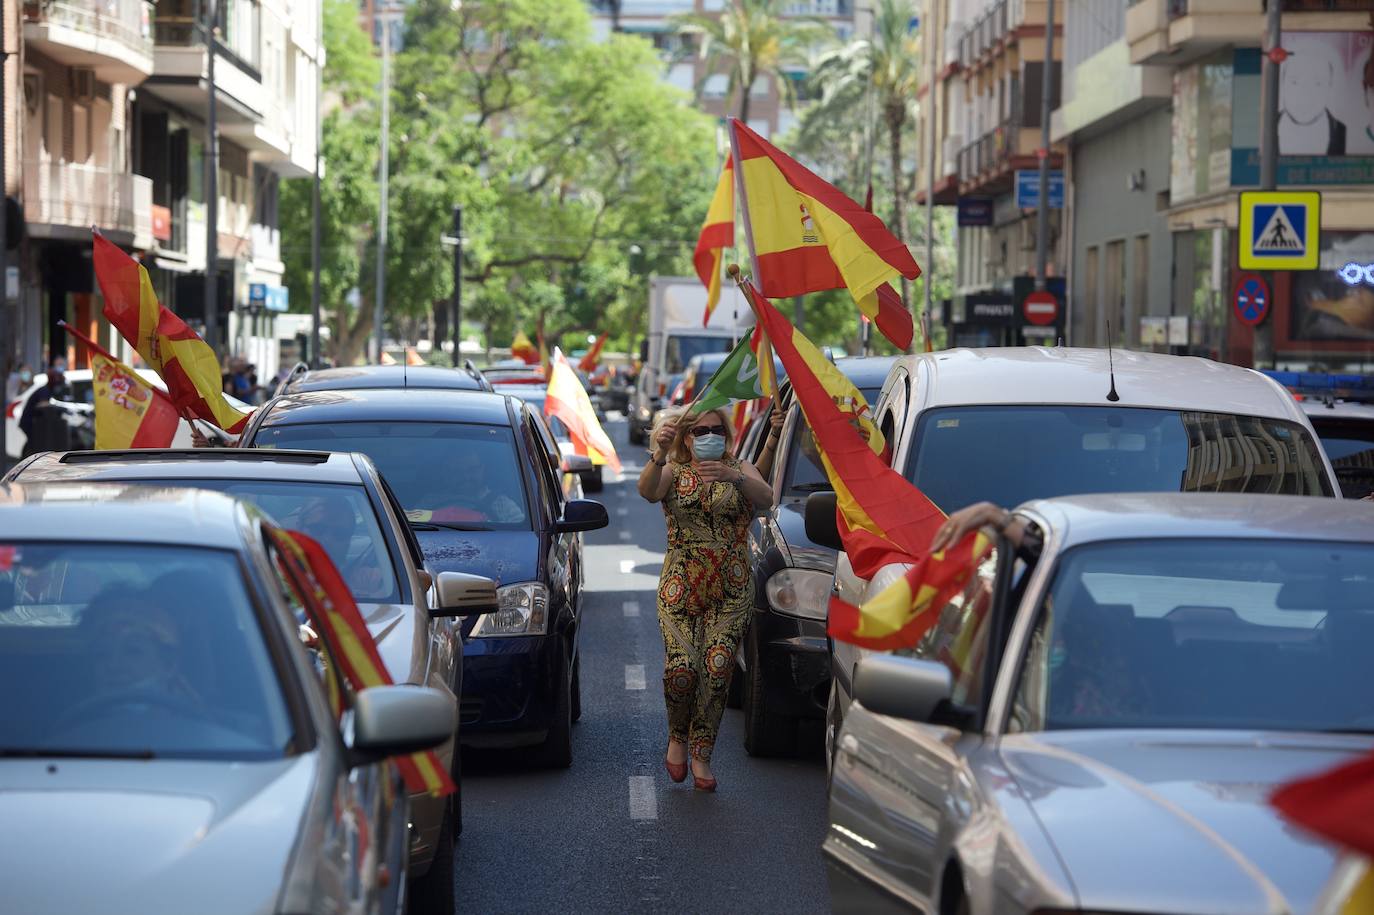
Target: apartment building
{"x":982,"y":114}
{"x":112,"y":133}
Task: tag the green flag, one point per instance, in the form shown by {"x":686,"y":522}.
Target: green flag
{"x":736,"y":379}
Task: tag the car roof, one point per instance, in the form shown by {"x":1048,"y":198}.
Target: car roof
{"x":866,"y":371}
{"x":348,"y":378}
{"x":1117,"y":516}
{"x":1318,"y":410}
{"x":389,"y":404}
{"x":277,"y":465}
{"x":127,"y":514}
{"x":529,"y":393}
{"x":1070,"y":375}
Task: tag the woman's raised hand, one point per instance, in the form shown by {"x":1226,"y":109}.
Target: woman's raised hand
{"x":663,"y":438}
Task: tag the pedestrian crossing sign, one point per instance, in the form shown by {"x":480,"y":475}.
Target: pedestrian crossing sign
{"x":1280,"y":230}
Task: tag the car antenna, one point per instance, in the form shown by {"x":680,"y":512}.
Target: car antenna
{"x":1111,"y":369}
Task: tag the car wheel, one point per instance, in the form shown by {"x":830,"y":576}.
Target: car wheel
{"x":556,"y":752}
{"x":593,"y":482}
{"x":433,"y":894}
{"x":765,"y":733}
{"x":577,"y":690}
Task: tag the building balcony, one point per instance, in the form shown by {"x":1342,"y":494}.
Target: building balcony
{"x":63,"y":199}
{"x":1002,"y":25}
{"x":830,"y":9}
{"x":112,"y":38}
{"x":987,"y":166}
{"x":181,"y":76}
{"x":1179,"y":31}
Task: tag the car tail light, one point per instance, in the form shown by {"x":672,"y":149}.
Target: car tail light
{"x":662,"y":388}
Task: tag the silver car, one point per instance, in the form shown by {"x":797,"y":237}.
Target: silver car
{"x":1096,"y":723}
{"x":167,"y":745}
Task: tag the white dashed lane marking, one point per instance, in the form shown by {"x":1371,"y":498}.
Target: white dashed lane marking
{"x":631,"y":607}
{"x":624,"y":535}
{"x":627,"y":566}
{"x":634,"y":676}
{"x":643,"y":802}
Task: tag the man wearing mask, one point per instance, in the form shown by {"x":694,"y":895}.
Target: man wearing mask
{"x":17,"y":381}
{"x":55,"y":388}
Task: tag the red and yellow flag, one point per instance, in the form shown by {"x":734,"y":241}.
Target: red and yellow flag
{"x":332,"y":610}
{"x":1338,"y":805}
{"x":521,"y":348}
{"x":186,"y":363}
{"x":717,"y":234}
{"x":592,"y":358}
{"x":808,"y":236}
{"x":129,"y":412}
{"x":568,"y":400}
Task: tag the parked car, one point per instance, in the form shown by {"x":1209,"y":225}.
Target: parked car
{"x":81,"y":408}
{"x":1346,"y":430}
{"x":362,"y":377}
{"x":1015,"y":423}
{"x":1098,"y":728}
{"x":479,"y":483}
{"x":340,"y":500}
{"x":174,"y":737}
{"x":646,"y":403}
{"x":589,"y":476}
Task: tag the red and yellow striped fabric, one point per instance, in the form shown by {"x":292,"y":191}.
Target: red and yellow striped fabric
{"x":568,"y":400}
{"x":129,"y":412}
{"x":808,"y":237}
{"x":326,"y":598}
{"x":592,"y":358}
{"x":717,"y":234}
{"x":521,"y":348}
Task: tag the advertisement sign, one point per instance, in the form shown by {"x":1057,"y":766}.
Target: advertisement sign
{"x":267,"y":297}
{"x":1028,"y":188}
{"x":1325,"y":305}
{"x":975,"y":211}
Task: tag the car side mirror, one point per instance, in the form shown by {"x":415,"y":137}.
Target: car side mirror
{"x":577,"y":463}
{"x":461,"y":594}
{"x":582,"y":515}
{"x":400,"y":720}
{"x":821,"y":527}
{"x":902,"y":687}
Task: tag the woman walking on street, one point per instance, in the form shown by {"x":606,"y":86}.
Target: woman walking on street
{"x":704,"y":595}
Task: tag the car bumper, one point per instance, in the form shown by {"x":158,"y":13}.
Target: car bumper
{"x":795,"y":656}
{"x":509,"y":693}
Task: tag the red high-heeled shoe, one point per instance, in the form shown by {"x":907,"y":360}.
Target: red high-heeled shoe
{"x":676,"y":771}
{"x":703,"y":784}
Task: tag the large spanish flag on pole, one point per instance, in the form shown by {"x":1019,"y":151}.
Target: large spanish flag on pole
{"x":568,"y":400}
{"x":521,"y":348}
{"x":806,"y":236}
{"x":185,"y":361}
{"x":129,"y":412}
{"x":592,"y":358}
{"x":335,"y":615}
{"x":717,"y":234}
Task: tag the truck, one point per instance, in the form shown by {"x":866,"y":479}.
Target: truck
{"x":676,"y":334}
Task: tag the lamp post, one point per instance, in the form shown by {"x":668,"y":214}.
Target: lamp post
{"x":383,"y":174}
{"x":315,"y":199}
{"x":211,"y":185}
{"x":1263,"y":353}
{"x":1042,"y":213}
{"x":455,"y":241}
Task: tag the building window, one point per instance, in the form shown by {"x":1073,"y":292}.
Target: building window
{"x":1114,"y":293}
{"x":1090,"y":292}
{"x":1140,"y":283}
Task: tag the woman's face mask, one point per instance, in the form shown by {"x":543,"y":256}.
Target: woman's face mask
{"x":25,"y":376}
{"x":708,"y":447}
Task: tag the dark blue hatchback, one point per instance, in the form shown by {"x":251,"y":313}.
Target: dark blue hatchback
{"x":479,"y":477}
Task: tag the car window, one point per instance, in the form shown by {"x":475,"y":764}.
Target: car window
{"x":416,"y":554}
{"x":460,"y":475}
{"x":1350,"y":446}
{"x":804,"y":471}
{"x":961,"y":637}
{"x":339,"y":516}
{"x":140,"y":649}
{"x":545,"y":470}
{"x":1009,"y":454}
{"x":1203,"y":633}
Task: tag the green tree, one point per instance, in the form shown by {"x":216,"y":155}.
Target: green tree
{"x":753,"y":38}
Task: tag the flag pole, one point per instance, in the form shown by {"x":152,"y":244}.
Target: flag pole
{"x":743,"y":209}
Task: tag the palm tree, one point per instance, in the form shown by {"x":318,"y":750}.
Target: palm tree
{"x":749,"y":39}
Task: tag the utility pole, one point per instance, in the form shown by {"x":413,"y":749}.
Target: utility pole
{"x":457,"y":284}
{"x":211,"y":187}
{"x":929,"y":275}
{"x":378,"y":305}
{"x":7,"y":348}
{"x":1042,"y":226}
{"x":315,"y":264}
{"x":1269,"y":153}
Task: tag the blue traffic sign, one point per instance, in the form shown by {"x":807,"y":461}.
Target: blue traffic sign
{"x":1280,"y":230}
{"x":1028,"y":188}
{"x":1251,"y":299}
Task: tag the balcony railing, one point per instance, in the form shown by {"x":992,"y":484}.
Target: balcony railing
{"x":989,"y":151}
{"x":69,"y":194}
{"x":127,"y":21}
{"x":988,"y":30}
{"x":819,"y":8}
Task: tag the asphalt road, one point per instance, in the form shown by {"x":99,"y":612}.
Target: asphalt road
{"x":613,"y":833}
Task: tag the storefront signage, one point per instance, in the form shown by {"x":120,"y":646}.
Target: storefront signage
{"x":268,"y":297}
{"x":1353,"y":274}
{"x":1028,"y":188}
{"x":975,"y":211}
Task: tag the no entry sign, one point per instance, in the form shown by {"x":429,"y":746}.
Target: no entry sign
{"x":1041,"y":307}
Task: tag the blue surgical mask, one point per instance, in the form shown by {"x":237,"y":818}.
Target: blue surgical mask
{"x":708,"y":447}
{"x":26,"y":376}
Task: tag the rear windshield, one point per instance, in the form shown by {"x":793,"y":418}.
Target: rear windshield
{"x":456,"y":475}
{"x":1350,"y":446}
{"x":1008,"y":454}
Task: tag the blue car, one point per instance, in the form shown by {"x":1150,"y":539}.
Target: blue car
{"x":478,"y":474}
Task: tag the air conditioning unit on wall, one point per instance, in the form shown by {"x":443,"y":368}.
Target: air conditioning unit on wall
{"x":83,"y":84}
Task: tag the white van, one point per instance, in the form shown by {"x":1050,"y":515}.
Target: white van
{"x":1010,"y":424}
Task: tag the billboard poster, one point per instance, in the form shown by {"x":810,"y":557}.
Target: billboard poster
{"x":1327,"y":304}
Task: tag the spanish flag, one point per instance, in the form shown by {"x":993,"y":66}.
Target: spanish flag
{"x":568,"y":400}
{"x":717,"y":234}
{"x":332,"y":610}
{"x":808,"y":236}
{"x":592,"y":358}
{"x":1338,"y":806}
{"x":129,"y":412}
{"x":186,"y":363}
{"x":521,"y":348}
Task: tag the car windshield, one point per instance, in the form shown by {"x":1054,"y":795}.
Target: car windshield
{"x":458,"y":475}
{"x":1267,"y":634}
{"x":339,"y":516}
{"x":681,"y":348}
{"x":1350,"y":446}
{"x":134,"y":650}
{"x":1008,"y":454}
{"x":804,"y":471}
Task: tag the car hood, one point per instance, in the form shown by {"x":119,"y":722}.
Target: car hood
{"x":1169,"y":821}
{"x":503,"y":556}
{"x":790,"y":517}
{"x":157,"y":836}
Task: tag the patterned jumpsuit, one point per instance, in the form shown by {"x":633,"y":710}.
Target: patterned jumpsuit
{"x":704,"y":601}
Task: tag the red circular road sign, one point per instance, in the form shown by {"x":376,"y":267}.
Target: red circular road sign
{"x":1041,"y":307}
{"x":1250,"y":298}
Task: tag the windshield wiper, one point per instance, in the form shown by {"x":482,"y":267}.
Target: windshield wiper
{"x":447,"y":525}
{"x":823,"y":486}
{"x":36,"y":753}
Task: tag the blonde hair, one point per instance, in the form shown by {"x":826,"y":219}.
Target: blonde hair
{"x":678,"y":452}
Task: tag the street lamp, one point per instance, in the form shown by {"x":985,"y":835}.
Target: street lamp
{"x":455,"y":241}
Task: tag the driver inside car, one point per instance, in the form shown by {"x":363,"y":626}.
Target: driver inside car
{"x":139,"y":648}
{"x":470,"y":500}
{"x":332,"y":523}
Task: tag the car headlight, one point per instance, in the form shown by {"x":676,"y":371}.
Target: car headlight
{"x":799,"y":592}
{"x":522,"y":609}
{"x":645,"y":413}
